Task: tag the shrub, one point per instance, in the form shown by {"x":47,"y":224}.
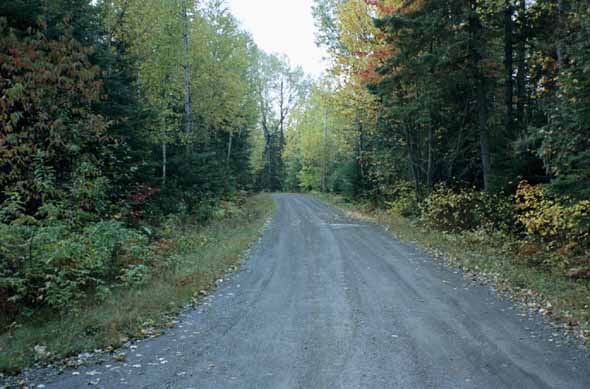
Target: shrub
{"x":54,"y":264}
{"x":228,"y":209}
{"x":402,"y":200}
{"x":557,"y":221}
{"x":466,"y":210}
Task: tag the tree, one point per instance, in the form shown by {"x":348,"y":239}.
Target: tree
{"x":52,"y":128}
{"x":481,"y":93}
{"x":188,"y":109}
{"x":280,"y":89}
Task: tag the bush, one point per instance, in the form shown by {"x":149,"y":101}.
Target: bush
{"x":557,"y":221}
{"x":403,"y":200}
{"x":466,"y":210}
{"x":53,"y":264}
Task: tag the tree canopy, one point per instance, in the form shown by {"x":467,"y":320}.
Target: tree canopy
{"x":482,"y":93}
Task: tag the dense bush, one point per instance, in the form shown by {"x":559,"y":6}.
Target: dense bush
{"x":47,"y":125}
{"x":469,"y":209}
{"x":556,"y":221}
{"x":402,"y":200}
{"x":54,"y":264}
{"x":542,"y":228}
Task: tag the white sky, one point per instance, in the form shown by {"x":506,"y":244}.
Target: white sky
{"x":282,"y":26}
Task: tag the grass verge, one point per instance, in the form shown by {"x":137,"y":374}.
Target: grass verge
{"x":203,"y":254}
{"x":491,"y":259}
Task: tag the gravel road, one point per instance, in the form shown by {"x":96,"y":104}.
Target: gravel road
{"x":329,"y":302}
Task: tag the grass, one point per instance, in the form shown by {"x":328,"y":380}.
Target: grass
{"x":493,"y":259}
{"x":203,"y":253}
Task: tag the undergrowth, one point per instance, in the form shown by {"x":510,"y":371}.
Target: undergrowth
{"x":200,"y":255}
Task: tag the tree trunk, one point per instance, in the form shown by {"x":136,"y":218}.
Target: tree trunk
{"x":430,"y":164}
{"x":109,"y":26}
{"x":326,"y":154}
{"x":268,"y":153}
{"x":188,"y":110}
{"x":164,"y":164}
{"x":430,"y":135}
{"x":282,"y":117}
{"x":560,"y":27}
{"x":360,"y":149}
{"x":413,"y":163}
{"x":138,"y":82}
{"x":229,"y":147}
{"x":484,"y":138}
{"x":508,"y":66}
{"x":521,"y":75}
{"x":477,"y":43}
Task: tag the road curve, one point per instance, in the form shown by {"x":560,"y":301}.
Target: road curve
{"x":329,"y":302}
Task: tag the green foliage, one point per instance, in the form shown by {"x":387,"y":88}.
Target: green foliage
{"x":565,"y":139}
{"x":467,"y":209}
{"x":280,"y":87}
{"x":554,"y":220}
{"x":436,"y":71}
{"x":48,"y":88}
{"x":94,"y":144}
{"x":187,"y":257}
{"x":316,"y":153}
{"x":467,"y":99}
{"x":292,"y":175}
{"x":402,"y":200}
{"x":52,"y":263}
{"x":344,"y":179}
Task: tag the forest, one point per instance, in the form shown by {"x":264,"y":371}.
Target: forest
{"x":461,"y":116}
{"x":123,"y":122}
